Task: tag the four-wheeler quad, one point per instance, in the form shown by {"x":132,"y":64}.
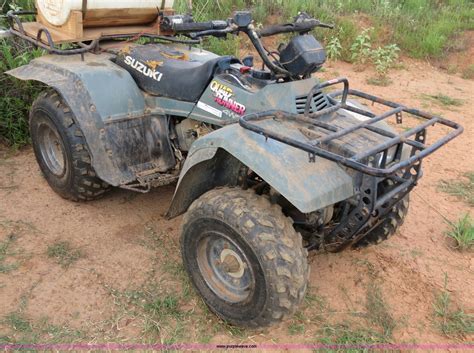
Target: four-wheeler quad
{"x":269,"y":162}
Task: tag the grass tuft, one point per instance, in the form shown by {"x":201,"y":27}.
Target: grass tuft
{"x":444,"y":100}
{"x":18,"y":322}
{"x":5,"y":247}
{"x":163,"y":307}
{"x":347,"y":334}
{"x":462,"y":232}
{"x":382,"y":81}
{"x":63,"y":253}
{"x":26,"y":331}
{"x":468,"y":72}
{"x":463,"y":189}
{"x":378,"y":312}
{"x":451,"y":320}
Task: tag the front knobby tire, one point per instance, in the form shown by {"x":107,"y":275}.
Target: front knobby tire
{"x":244,"y":257}
{"x":387,"y":227}
{"x":61,"y":150}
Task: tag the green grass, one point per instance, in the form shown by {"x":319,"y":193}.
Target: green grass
{"x":297,"y":324}
{"x":379,"y":81}
{"x":296,"y":329}
{"x":421,"y":28}
{"x":10,"y":252}
{"x":16,"y":96}
{"x":373,"y":325}
{"x":462,"y":233}
{"x":450,"y":319}
{"x":64,"y":254}
{"x":468,"y":72}
{"x":378,"y":312}
{"x":18,"y":322}
{"x":444,"y":99}
{"x":5,"y":251}
{"x":22,"y":330}
{"x":348,"y":334}
{"x":158,"y":312}
{"x":163,"y":307}
{"x":463,"y":189}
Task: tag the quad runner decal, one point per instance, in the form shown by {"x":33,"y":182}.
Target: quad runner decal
{"x":143,"y":69}
{"x":223,"y":96}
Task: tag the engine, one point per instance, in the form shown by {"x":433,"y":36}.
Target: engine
{"x":188,"y":131}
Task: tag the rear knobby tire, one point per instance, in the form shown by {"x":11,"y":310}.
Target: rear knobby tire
{"x":388,"y":227}
{"x":61,"y":150}
{"x":267,"y":252}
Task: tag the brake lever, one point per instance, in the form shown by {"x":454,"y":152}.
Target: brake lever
{"x":326,"y":25}
{"x":220,"y":33}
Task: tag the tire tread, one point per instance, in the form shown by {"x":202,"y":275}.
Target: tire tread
{"x":265,"y":227}
{"x":84,"y":180}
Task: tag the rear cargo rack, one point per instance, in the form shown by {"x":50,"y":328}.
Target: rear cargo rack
{"x":361,"y":162}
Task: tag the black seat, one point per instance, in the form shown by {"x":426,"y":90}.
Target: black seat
{"x":165,"y":71}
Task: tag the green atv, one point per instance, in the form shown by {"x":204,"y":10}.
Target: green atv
{"x":270,"y":163}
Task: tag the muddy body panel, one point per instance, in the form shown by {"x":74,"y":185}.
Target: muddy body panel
{"x":228,"y":97}
{"x":308,"y":186}
{"x":124,"y":136}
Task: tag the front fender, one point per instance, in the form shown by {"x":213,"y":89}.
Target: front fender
{"x":308,"y":186}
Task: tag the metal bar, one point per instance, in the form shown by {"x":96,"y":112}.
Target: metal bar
{"x":48,"y":37}
{"x":247,"y":122}
{"x":56,"y":51}
{"x":320,"y":87}
{"x":355,"y":127}
{"x":391,"y":194}
{"x":394,"y":141}
{"x":416,"y":112}
{"x":375,"y":129}
{"x":152,"y":36}
{"x":380,"y":131}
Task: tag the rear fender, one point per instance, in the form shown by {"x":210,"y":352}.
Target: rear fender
{"x":121,"y":134}
{"x":308,"y":186}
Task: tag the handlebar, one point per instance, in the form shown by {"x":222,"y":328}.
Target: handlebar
{"x":199,"y":26}
{"x":242,"y":22}
{"x":297,"y":27}
{"x":185,"y":25}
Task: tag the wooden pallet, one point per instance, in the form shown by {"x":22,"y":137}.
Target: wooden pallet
{"x":73,"y":30}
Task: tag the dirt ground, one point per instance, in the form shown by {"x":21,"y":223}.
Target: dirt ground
{"x":125,"y":282}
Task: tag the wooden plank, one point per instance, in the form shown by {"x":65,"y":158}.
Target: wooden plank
{"x":73,"y":31}
{"x":73,"y":28}
{"x":32,"y":28}
{"x":119,"y":17}
{"x":60,"y":37}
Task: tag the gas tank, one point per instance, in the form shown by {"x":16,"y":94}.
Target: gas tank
{"x":99,"y":13}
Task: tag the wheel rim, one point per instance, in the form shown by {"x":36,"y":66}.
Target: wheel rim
{"x":52,"y":149}
{"x":225,"y":267}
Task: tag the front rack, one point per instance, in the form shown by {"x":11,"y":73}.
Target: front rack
{"x":44,"y":39}
{"x":360,"y":162}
